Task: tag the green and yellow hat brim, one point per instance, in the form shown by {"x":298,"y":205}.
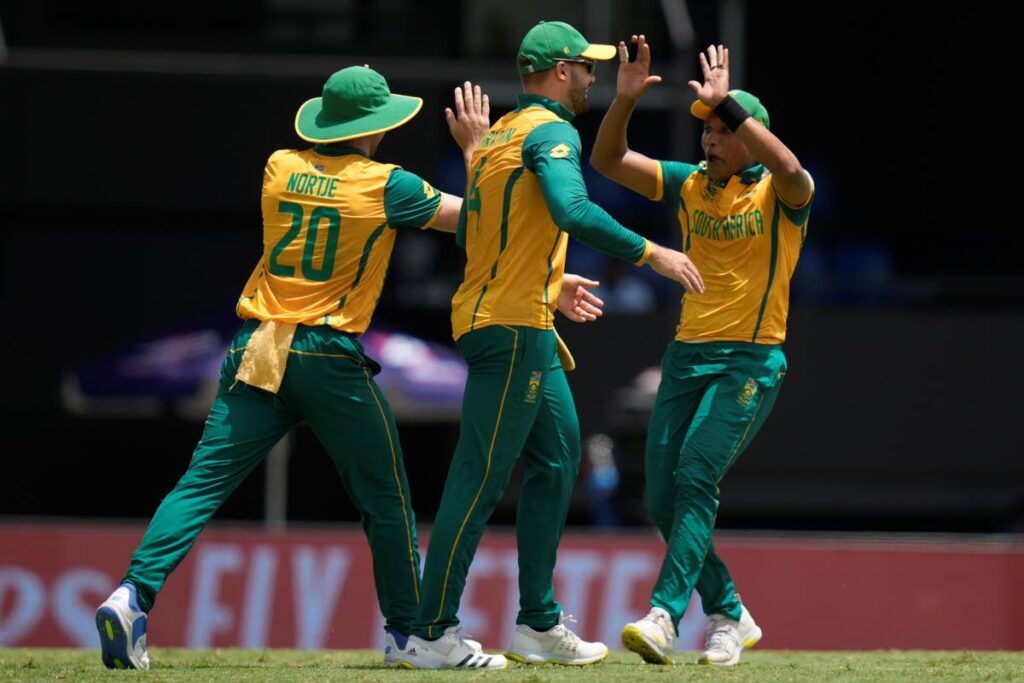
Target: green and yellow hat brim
{"x":313,"y":125}
{"x":745,"y":99}
{"x":600,"y":52}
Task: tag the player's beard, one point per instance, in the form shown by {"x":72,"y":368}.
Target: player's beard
{"x":578,"y":92}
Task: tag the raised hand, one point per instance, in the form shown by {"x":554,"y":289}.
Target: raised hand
{"x":635,"y":77}
{"x":471,"y":119}
{"x":716,"y":76}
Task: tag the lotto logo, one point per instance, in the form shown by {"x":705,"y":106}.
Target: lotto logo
{"x":560,"y":151}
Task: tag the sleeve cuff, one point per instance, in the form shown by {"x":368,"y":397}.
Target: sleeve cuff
{"x":648,"y":246}
{"x":437,"y":211}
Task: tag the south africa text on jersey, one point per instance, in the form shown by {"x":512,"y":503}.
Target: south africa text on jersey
{"x":750,"y":224}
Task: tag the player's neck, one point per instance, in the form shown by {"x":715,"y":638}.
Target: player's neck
{"x":364,"y":145}
{"x":552,"y":93}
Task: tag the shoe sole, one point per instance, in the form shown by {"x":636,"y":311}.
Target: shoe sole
{"x":405,"y":664}
{"x":113,"y":640}
{"x":635,"y":641}
{"x":523,"y":659}
{"x":749,"y":642}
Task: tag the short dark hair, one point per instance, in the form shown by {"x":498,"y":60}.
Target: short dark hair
{"x":530,"y":78}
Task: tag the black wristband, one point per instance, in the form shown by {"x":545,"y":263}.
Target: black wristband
{"x":731,"y":112}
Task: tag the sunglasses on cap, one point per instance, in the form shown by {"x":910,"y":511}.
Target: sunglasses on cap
{"x":590,"y":64}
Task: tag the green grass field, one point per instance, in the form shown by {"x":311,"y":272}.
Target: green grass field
{"x":365,"y":665}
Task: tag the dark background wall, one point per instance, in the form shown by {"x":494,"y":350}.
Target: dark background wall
{"x":131,"y":144}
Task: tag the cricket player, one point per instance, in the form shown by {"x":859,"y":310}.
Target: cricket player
{"x":525,"y":197}
{"x":743,"y":214}
{"x":330,"y":218}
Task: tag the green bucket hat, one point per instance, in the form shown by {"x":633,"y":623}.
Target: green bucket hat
{"x":552,"y":41}
{"x":356,"y":102}
{"x":746,"y":100}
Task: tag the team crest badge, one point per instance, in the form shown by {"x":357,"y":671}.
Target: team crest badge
{"x":748,"y":392}
{"x":533,"y":388}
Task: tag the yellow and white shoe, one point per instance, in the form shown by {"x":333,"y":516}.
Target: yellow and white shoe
{"x":557,"y":645}
{"x":727,"y":637}
{"x":653,"y":637}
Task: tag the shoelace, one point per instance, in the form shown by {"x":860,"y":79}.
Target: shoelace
{"x":456,"y":634}
{"x":665,"y":623}
{"x":722,"y":634}
{"x":462,"y":638}
{"x":570,"y":640}
{"x":562,"y":621}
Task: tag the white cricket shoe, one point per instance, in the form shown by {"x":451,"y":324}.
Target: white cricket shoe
{"x":395,"y":643}
{"x":450,"y":651}
{"x":122,"y":628}
{"x":557,"y":645}
{"x":727,"y":638}
{"x":653,"y":637}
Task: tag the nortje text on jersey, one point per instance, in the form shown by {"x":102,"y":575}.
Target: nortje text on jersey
{"x":311,"y":184}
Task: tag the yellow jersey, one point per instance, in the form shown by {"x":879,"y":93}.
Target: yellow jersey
{"x":525,"y":197}
{"x":329,"y":219}
{"x":745,"y":241}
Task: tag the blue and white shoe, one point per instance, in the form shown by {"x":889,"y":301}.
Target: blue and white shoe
{"x":450,"y":651}
{"x":395,"y":643}
{"x":122,"y":628}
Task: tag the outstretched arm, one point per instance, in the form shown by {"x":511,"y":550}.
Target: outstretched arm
{"x":611,"y":155}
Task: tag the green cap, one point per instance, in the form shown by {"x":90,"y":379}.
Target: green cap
{"x":746,"y":100}
{"x":551,"y":41}
{"x":356,"y":102}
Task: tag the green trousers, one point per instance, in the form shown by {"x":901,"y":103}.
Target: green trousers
{"x":328,"y":383}
{"x":517,"y":402}
{"x":712,"y":400}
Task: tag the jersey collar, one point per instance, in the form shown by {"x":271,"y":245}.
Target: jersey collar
{"x":752,"y":175}
{"x":530,"y":100}
{"x":747,"y":176}
{"x":336,"y":151}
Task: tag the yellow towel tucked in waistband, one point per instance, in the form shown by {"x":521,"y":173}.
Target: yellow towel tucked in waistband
{"x":568,"y":364}
{"x":266,"y":355}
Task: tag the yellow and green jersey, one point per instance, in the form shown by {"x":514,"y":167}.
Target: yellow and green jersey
{"x":329,"y":219}
{"x":525,"y":196}
{"x":745,"y":241}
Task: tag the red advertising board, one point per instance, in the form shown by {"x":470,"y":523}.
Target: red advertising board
{"x":314,"y":589}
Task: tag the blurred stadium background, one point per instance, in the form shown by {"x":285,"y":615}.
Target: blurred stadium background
{"x":886,"y":490}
